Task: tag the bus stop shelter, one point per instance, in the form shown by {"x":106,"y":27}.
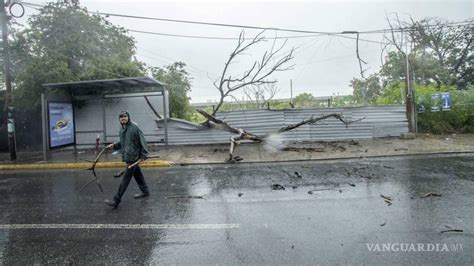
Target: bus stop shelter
{"x":85,"y":113}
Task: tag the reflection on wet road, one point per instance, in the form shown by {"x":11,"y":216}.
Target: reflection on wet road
{"x":283,"y":213}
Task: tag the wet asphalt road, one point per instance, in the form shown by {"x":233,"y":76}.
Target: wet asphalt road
{"x":240,"y":219}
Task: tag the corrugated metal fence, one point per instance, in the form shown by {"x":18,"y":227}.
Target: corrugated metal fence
{"x":379,"y":121}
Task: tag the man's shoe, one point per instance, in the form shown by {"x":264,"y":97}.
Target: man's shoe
{"x":141,"y":195}
{"x":112,"y":203}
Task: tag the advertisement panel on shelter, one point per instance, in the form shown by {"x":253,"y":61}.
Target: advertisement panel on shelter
{"x":61,"y":124}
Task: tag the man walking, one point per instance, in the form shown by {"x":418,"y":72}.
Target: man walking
{"x":133,"y":146}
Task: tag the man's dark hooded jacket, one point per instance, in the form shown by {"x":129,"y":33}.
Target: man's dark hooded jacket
{"x":132,"y":142}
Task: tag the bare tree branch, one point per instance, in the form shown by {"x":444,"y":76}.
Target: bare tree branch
{"x":261,"y":94}
{"x":314,"y":120}
{"x":152,"y":108}
{"x":258,"y":74}
{"x":394,"y":39}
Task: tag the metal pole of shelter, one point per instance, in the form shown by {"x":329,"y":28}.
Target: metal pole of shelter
{"x":75,"y":127}
{"x":104,"y":122}
{"x":44,"y":126}
{"x":165,"y":115}
{"x":8,"y":85}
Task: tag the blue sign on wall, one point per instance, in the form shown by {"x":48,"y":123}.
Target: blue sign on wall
{"x":61,"y":124}
{"x":445,"y":101}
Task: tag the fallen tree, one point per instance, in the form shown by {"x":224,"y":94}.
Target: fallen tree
{"x":240,"y":134}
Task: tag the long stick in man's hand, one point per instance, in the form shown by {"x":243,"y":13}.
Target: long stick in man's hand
{"x":92,"y":168}
{"x":119,"y":174}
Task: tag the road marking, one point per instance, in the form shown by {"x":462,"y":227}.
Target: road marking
{"x":118,"y":226}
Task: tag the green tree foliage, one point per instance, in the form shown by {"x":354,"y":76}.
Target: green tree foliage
{"x":424,"y":68}
{"x":62,"y":43}
{"x":304,"y":100}
{"x":369,"y":89}
{"x":280,"y":104}
{"x":178,"y":83}
{"x":442,"y":55}
{"x":451,"y":47}
{"x":393,"y":94}
{"x":441,"y":61}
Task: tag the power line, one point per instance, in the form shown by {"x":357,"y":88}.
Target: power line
{"x":203,"y":72}
{"x":216,"y":38}
{"x":259,"y":27}
{"x":411,"y":28}
{"x":338,"y":34}
{"x":201,"y":36}
{"x":330,"y":59}
{"x":193,"y":73}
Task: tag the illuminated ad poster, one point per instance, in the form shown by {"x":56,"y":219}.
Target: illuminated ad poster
{"x":61,"y":124}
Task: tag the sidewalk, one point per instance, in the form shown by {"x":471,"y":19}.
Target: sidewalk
{"x":253,"y":152}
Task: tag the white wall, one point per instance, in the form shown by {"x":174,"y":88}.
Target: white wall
{"x":90,"y":117}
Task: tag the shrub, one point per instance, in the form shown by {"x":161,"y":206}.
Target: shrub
{"x":460,"y":119}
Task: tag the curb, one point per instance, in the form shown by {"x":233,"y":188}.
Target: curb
{"x":159,"y":163}
{"x":163,"y":163}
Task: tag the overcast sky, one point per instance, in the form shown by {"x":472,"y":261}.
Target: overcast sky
{"x":324,"y":65}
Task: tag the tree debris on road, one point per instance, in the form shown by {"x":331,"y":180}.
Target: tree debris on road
{"x":307,"y":149}
{"x":198,"y":182}
{"x":401,"y":149}
{"x":430,"y":194}
{"x":452,"y":230}
{"x":353,"y":142}
{"x":321,"y":189}
{"x":387,"y":199}
{"x":277,"y":187}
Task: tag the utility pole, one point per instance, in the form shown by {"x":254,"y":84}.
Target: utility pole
{"x":8,"y":84}
{"x":409,"y":95}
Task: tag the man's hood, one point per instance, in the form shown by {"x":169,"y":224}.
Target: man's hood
{"x":126,"y":113}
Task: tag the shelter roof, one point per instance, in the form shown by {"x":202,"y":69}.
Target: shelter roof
{"x":94,"y":85}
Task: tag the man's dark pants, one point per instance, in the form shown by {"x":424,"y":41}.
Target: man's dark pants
{"x":136,"y":172}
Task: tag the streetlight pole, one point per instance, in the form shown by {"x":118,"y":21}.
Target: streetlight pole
{"x":8,"y":84}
